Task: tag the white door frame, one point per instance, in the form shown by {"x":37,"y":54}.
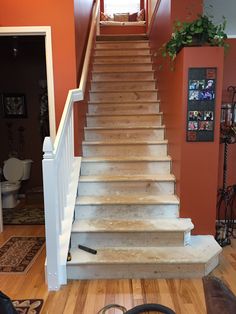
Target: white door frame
{"x":40,"y":31}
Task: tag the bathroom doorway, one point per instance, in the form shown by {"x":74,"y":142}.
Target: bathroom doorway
{"x":26,"y":75}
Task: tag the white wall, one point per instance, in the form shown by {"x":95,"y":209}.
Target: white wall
{"x":225,"y":8}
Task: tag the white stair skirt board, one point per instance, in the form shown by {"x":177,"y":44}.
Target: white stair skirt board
{"x":126,"y":207}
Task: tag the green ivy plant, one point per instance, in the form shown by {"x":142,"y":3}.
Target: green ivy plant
{"x":201,"y":31}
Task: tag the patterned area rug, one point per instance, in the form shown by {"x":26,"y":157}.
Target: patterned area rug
{"x":18,"y":253}
{"x":28,"y":306}
{"x":23,"y":216}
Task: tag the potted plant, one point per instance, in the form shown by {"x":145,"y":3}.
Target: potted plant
{"x":199,"y":32}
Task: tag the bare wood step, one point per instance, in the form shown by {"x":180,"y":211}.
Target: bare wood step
{"x":130,"y":211}
{"x":122,"y":59}
{"x":124,"y":120}
{"x":126,"y":96}
{"x":129,"y":200}
{"x":126,"y":185}
{"x":122,"y":67}
{"x":122,"y":108}
{"x":134,"y":133}
{"x":123,"y":86}
{"x":192,"y":261}
{"x":117,"y":37}
{"x":125,"y":76}
{"x":122,"y":52}
{"x":101,"y":233}
{"x":124,"y":148}
{"x":125,"y":165}
{"x":122,"y":44}
{"x":127,"y":207}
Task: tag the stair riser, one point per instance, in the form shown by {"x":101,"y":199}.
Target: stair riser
{"x":122,"y":68}
{"x":142,"y":76}
{"x":123,"y":108}
{"x":126,"y":168}
{"x":125,"y":188}
{"x":122,"y":60}
{"x":135,"y":134}
{"x":125,"y":96}
{"x":127,"y":239}
{"x":124,"y":211}
{"x":122,"y":45}
{"x":122,"y":86}
{"x":124,"y":121}
{"x":121,"y":52}
{"x":148,"y":271}
{"x":103,"y":150}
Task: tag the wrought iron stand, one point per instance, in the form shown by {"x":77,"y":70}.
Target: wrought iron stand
{"x":226,"y":200}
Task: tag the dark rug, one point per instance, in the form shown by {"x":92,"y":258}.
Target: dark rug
{"x":28,"y":306}
{"x":219,"y":298}
{"x":23,"y":216}
{"x":18,"y":254}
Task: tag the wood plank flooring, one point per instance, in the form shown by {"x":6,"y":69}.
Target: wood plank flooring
{"x":88,"y":297}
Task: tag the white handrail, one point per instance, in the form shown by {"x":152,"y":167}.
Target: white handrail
{"x":60,"y":177}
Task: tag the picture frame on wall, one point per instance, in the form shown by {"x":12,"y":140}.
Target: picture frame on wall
{"x":14,"y":106}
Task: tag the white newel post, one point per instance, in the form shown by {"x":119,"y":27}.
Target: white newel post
{"x":51,"y":216}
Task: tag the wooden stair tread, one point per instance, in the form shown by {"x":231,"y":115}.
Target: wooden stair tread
{"x":99,"y":128}
{"x":123,"y":41}
{"x":126,"y":91}
{"x":133,"y":64}
{"x":118,"y":37}
{"x":201,"y":250}
{"x":128,"y":159}
{"x":116,"y":72}
{"x":124,"y":114}
{"x":129,"y":178}
{"x":124,"y":142}
{"x":128,"y":199}
{"x":121,"y":81}
{"x":123,"y":103}
{"x":121,"y":49}
{"x":147,"y":225}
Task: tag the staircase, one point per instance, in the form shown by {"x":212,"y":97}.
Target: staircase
{"x":126,"y":207}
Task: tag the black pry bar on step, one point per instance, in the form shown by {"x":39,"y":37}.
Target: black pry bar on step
{"x":87,"y":249}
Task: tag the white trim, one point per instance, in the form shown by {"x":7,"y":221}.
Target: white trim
{"x":231,"y":36}
{"x":40,"y":31}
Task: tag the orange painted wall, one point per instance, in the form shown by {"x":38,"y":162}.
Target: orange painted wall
{"x":200,"y":161}
{"x":197,"y":177}
{"x":60,"y":16}
{"x":229,"y":79}
{"x":83,"y":12}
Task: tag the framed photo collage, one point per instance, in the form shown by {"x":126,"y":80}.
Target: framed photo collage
{"x":201,"y":104}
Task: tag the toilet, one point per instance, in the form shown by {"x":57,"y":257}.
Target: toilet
{"x":14,"y":170}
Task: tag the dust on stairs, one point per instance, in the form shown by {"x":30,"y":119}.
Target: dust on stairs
{"x":127,"y":209}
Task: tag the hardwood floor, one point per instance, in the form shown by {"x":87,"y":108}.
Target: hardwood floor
{"x":88,"y":297}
